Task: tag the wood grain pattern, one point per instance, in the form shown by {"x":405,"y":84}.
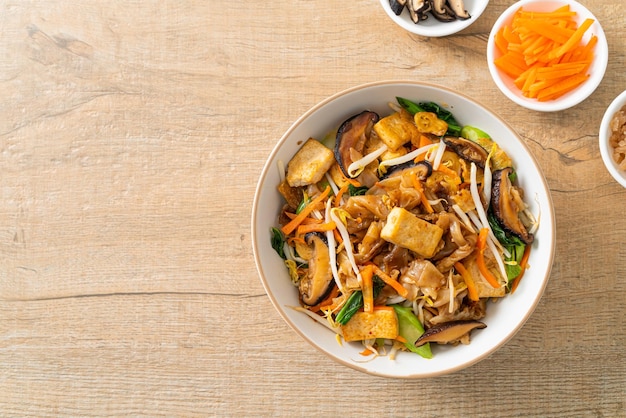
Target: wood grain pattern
{"x":131,"y":138}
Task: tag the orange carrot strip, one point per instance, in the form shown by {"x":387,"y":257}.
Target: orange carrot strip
{"x":574,"y":39}
{"x":530,"y":79}
{"x":510,"y":36}
{"x":307,"y":220}
{"x":353,"y":182}
{"x":367,"y":274}
{"x":390,"y":281}
{"x":340,"y":193}
{"x":501,"y":42}
{"x":317,"y":227}
{"x":366,"y":352}
{"x":515,"y":47}
{"x":450,"y":173}
{"x":337,"y":236}
{"x":553,"y":32}
{"x":562,"y":87}
{"x":586,"y":52}
{"x":304,"y":213}
{"x":561,"y":12}
{"x":481,"y":244}
{"x":533,"y":44}
{"x":328,"y":302}
{"x":417,"y":185}
{"x":401,"y":339}
{"x":506,"y":63}
{"x":472,"y":293}
{"x":424,"y":140}
{"x":560,"y":70}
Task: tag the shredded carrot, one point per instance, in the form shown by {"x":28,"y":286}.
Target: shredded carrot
{"x":544,"y":52}
{"x":307,"y":220}
{"x":423,"y":141}
{"x":338,"y":237}
{"x":367,"y":275}
{"x":524,"y":265}
{"x":293,"y":224}
{"x":348,"y":180}
{"x":390,"y":281}
{"x":401,"y":339}
{"x":340,"y":193}
{"x":417,"y":185}
{"x":328,"y":302}
{"x":450,"y":173}
{"x":366,"y":352}
{"x":315,"y":227}
{"x":472,"y":292}
{"x":481,"y":244}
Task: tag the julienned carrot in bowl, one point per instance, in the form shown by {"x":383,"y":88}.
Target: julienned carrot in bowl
{"x":543,"y":52}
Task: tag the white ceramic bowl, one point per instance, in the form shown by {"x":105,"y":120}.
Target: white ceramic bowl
{"x":503,"y":319}
{"x":605,"y":133}
{"x":431,"y":27}
{"x":574,"y":97}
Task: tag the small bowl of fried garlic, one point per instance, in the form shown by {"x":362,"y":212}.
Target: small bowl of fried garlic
{"x":612,"y":138}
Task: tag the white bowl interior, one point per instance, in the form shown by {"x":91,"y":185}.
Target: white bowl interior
{"x":574,"y":97}
{"x":431,"y":26}
{"x":606,"y":151}
{"x":503,"y":319}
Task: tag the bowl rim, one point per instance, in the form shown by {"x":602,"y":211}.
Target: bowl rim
{"x":604,"y":135}
{"x":570,"y":99}
{"x":279,"y":308}
{"x":442,"y":28}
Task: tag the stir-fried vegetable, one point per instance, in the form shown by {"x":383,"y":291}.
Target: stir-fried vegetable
{"x":412,"y":230}
{"x":410,"y":328}
{"x":354,"y":303}
{"x":278,"y":242}
{"x":454,"y":128}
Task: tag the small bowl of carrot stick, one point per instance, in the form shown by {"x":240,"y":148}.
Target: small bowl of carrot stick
{"x":547,"y":55}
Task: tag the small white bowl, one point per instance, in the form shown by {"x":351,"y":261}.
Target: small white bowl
{"x":574,"y":97}
{"x":503,"y":319}
{"x":605,"y":133}
{"x":432,"y":27}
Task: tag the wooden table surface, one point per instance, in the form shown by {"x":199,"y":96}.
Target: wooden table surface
{"x":132,"y":135}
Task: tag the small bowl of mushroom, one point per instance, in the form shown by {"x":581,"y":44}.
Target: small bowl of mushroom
{"x":434,"y":18}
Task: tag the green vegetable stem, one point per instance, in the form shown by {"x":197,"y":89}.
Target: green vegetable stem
{"x":410,"y":328}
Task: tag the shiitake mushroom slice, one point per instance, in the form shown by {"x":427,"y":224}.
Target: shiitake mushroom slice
{"x":448,"y":332}
{"x":351,"y":136}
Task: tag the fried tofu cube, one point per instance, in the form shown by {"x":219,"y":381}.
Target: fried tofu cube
{"x":408,"y":231}
{"x":382,"y":323}
{"x":292,"y":195}
{"x":309,"y":164}
{"x":395,"y":130}
{"x":337,"y":175}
